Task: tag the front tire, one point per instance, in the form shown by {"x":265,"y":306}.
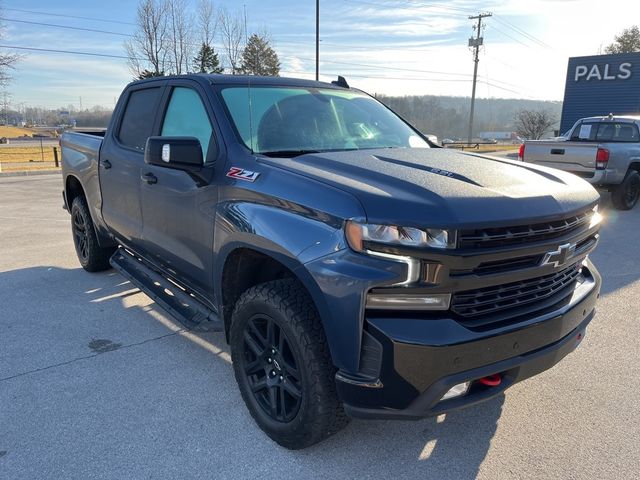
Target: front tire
{"x":626,"y":195}
{"x":91,"y":255}
{"x":282,"y":365}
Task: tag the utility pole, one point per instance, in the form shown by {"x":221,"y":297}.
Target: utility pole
{"x":476,"y":43}
{"x":317,"y":40}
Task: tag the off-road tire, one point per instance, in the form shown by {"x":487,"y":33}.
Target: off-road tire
{"x":91,"y":255}
{"x":288,"y":305}
{"x":625,"y":195}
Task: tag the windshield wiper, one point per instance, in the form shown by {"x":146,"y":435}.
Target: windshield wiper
{"x":287,"y":153}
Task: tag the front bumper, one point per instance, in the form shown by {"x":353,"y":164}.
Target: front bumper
{"x":423,"y":358}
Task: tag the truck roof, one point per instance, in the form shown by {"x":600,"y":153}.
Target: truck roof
{"x":227,"y":79}
{"x":617,"y":118}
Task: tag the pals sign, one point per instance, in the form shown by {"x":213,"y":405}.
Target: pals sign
{"x":602,"y":72}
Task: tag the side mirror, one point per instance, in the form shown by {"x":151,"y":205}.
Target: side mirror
{"x":181,"y":153}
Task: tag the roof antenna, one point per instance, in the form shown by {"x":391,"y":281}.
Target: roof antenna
{"x":341,"y":82}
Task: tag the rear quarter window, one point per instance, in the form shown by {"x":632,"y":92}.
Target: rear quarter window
{"x":138,"y":118}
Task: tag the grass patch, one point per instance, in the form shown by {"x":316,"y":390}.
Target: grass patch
{"x":25,"y":154}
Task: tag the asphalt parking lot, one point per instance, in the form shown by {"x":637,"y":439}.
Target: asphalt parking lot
{"x":96,"y":381}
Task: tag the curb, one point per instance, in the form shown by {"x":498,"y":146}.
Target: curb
{"x":28,"y":174}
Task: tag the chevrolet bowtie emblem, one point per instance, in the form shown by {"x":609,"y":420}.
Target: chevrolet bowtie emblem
{"x":562,"y":255}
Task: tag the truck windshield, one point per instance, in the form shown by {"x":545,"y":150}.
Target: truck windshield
{"x":290,"y":121}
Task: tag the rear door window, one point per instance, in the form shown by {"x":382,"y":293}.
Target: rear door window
{"x":584,"y":132}
{"x":187,"y":117}
{"x":138,"y":118}
{"x":617,"y":132}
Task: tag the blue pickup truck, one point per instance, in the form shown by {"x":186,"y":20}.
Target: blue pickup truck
{"x":356,"y":269}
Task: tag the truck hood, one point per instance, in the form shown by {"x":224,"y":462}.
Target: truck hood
{"x":442,"y":188}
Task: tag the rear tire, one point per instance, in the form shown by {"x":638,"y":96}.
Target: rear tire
{"x":626,"y":195}
{"x":283,"y":366}
{"x":91,"y":255}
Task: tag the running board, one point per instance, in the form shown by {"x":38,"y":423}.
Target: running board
{"x":190,"y":312}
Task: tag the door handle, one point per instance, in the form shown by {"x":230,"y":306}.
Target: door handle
{"x":557,"y":151}
{"x":106,"y":164}
{"x":150,"y":178}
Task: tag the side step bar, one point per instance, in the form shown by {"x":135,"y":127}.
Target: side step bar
{"x":190,"y":312}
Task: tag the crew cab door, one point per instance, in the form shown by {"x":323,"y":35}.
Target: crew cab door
{"x":178,"y":207}
{"x":122,"y":156}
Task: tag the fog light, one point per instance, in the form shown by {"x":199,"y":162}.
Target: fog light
{"x":456,"y":391}
{"x":385,"y":301}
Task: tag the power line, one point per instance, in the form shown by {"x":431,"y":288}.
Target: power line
{"x":51,"y":50}
{"x":381,"y":67}
{"x":51,"y":14}
{"x":524,"y":33}
{"x":379,"y":77}
{"x":493,"y":27}
{"x":65,"y":26}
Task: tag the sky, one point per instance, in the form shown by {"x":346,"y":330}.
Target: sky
{"x":392,"y":47}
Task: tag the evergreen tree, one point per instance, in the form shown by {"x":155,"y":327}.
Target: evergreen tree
{"x":258,"y":58}
{"x":207,"y":60}
{"x":149,"y":74}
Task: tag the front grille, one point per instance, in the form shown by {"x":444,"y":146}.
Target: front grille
{"x":502,"y":236}
{"x":510,"y":297}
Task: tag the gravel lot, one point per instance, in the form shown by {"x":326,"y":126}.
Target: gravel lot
{"x":96,"y":381}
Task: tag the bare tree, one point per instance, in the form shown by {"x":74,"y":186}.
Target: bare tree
{"x":7,"y":60}
{"x":148,"y":49}
{"x":232,"y":33}
{"x":207,"y":22}
{"x":533,"y":124}
{"x":180,"y":35}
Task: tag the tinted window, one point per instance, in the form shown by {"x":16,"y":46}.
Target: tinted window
{"x":187,"y":117}
{"x":273,"y":120}
{"x":606,"y":132}
{"x":617,"y":132}
{"x":137,"y":121}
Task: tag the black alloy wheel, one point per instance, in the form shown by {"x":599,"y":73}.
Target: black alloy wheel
{"x":80,"y":236}
{"x":632,"y":191}
{"x":626,"y":195}
{"x":271,"y":369}
{"x":283,"y":366}
{"x":91,"y":255}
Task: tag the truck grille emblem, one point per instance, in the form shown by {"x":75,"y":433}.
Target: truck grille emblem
{"x":559,"y":257}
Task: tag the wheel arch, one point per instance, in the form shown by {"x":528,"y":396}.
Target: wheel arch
{"x":73,"y":189}
{"x":244,"y":265}
{"x":635,"y":165}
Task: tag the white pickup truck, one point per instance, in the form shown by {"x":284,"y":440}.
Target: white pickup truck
{"x":605,"y":151}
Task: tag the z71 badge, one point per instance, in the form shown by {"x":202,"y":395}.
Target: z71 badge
{"x":242,"y":174}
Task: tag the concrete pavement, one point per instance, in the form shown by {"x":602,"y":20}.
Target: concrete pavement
{"x":96,"y":381}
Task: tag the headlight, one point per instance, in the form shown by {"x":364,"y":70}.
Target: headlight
{"x":358,"y":233}
{"x":596,"y":217}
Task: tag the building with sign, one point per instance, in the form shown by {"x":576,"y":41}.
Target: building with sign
{"x":599,"y":85}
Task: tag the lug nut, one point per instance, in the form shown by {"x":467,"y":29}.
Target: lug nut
{"x":269,"y":360}
{"x":281,"y":377}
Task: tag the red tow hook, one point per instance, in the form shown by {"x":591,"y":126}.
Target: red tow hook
{"x":491,"y":380}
